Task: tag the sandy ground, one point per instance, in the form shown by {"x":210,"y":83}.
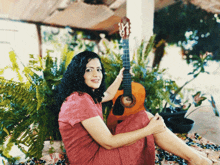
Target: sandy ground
{"x":206,"y":123}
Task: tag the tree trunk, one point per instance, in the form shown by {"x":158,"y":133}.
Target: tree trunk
{"x":160,"y":50}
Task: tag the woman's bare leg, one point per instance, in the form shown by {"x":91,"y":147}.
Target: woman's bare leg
{"x":168,"y":141}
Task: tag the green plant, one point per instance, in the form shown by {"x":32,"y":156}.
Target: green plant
{"x":157,"y":88}
{"x":51,"y":150}
{"x":27,"y":107}
{"x":199,"y":67}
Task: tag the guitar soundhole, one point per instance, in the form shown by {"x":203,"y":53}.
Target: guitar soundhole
{"x":128,"y":101}
{"x":121,"y":103}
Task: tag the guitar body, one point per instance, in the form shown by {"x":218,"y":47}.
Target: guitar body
{"x":120,"y":111}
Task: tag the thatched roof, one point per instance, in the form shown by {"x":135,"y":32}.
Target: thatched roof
{"x":212,"y":6}
{"x":79,"y":15}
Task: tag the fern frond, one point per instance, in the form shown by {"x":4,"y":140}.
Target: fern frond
{"x":69,"y":57}
{"x":15,"y":66}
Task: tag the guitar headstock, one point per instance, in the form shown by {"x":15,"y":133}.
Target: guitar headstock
{"x":124,"y":28}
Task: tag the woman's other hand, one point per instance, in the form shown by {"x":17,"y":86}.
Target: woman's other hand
{"x":156,"y":124}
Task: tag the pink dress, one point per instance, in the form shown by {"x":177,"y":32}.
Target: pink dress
{"x":82,"y":149}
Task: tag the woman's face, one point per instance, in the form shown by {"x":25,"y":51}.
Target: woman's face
{"x":93,"y":74}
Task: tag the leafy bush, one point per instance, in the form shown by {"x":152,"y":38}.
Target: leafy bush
{"x":27,"y":107}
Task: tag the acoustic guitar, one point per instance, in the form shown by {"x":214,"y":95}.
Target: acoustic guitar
{"x":130,"y":99}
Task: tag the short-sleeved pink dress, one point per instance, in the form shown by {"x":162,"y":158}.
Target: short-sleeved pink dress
{"x":82,"y":149}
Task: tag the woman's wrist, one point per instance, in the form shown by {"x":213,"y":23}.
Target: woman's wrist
{"x":148,"y":130}
{"x":119,"y":77}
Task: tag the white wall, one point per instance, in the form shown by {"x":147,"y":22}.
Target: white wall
{"x":20,"y":37}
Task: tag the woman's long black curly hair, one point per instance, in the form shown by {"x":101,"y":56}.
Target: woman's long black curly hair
{"x":73,"y":79}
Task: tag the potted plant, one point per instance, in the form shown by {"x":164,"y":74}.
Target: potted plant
{"x":177,"y":109}
{"x":26,"y":106}
{"x":179,"y":123}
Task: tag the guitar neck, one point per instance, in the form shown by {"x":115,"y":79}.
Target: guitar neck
{"x":126,"y":64}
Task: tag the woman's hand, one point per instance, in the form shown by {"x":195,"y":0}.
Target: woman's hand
{"x":156,"y":125}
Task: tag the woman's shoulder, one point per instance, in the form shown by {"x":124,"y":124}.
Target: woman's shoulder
{"x":76,"y":100}
{"x":79,"y":97}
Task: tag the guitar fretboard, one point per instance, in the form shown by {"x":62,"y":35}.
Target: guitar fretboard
{"x":126,"y":64}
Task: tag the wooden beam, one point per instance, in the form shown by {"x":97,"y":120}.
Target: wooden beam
{"x":55,"y":25}
{"x":39,"y":39}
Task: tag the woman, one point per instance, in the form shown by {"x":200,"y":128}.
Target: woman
{"x":88,"y":140}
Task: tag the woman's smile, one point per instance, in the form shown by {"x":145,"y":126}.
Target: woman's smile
{"x":95,"y":80}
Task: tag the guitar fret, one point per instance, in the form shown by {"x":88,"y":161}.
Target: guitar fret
{"x":127,"y":86}
{"x":126,"y":80}
{"x":127,"y":77}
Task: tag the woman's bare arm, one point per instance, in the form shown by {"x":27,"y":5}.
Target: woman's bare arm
{"x":101,"y":134}
{"x":113,"y":88}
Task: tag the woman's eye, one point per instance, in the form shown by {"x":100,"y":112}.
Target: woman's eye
{"x":88,"y":70}
{"x":99,"y":70}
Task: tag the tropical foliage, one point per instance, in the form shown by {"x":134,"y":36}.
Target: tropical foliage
{"x":26,"y":107}
{"x":188,"y":26}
